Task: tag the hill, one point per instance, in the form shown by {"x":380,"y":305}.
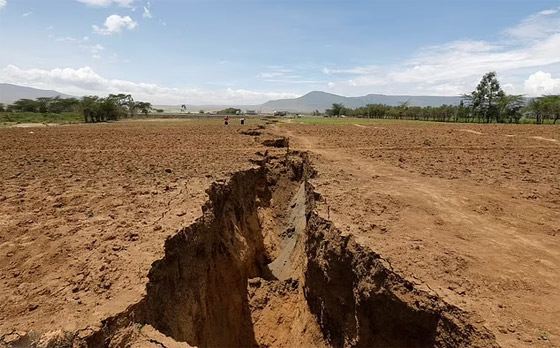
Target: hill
{"x":10,"y":93}
{"x":321,"y":101}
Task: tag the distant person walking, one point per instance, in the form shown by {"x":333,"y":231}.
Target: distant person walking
{"x":226,"y":120}
{"x":242,"y":121}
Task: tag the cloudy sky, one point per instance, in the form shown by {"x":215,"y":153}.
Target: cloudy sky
{"x":250,"y":51}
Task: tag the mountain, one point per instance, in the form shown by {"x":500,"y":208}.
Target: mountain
{"x":10,"y":93}
{"x":306,"y":104}
{"x":321,"y":101}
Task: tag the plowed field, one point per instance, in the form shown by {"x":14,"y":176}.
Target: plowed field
{"x":378,"y":234}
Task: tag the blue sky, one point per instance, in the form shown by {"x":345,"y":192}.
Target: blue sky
{"x":250,"y":51}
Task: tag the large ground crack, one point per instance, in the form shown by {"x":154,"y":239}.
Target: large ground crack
{"x":260,"y":267}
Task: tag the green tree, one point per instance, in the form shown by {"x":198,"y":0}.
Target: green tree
{"x":229,"y":111}
{"x":484,"y":100}
{"x":545,"y":107}
{"x":509,"y":108}
{"x":2,"y":109}
{"x":461,"y":112}
{"x":111,"y":110}
{"x":43,"y":104}
{"x":90,"y":108}
{"x":144,"y":107}
{"x":58,"y":105}
{"x":551,"y":105}
{"x":336,"y":110}
{"x":124,"y":103}
{"x":26,"y":105}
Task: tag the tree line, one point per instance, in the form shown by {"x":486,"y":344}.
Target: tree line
{"x":93,"y":108}
{"x":486,"y":104}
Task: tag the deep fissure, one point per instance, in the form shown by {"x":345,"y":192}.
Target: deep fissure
{"x":262,"y":268}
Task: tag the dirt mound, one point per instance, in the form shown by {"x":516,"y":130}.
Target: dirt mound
{"x":251,"y":132}
{"x":278,"y":142}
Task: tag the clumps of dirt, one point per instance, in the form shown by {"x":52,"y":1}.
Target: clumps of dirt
{"x":359,"y":301}
{"x":251,"y":132}
{"x":261,"y":268}
{"x":200,"y":291}
{"x":58,"y":338}
{"x":277,"y":142}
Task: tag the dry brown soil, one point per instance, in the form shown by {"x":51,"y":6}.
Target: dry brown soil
{"x":150,"y":234}
{"x":470,"y":212}
{"x":85,"y":210}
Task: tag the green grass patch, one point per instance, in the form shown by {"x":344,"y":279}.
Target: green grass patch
{"x":30,"y":117}
{"x":344,"y":121}
{"x":377,"y":121}
{"x":534,"y":121}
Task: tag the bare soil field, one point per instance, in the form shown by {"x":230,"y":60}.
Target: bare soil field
{"x":470,"y":212}
{"x":85,"y":210}
{"x":177,"y":234}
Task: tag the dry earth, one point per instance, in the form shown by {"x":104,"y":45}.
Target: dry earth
{"x":470,"y":212}
{"x":85,"y":210}
{"x":439,"y":235}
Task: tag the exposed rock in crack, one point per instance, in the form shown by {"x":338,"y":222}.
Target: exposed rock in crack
{"x":261,"y":268}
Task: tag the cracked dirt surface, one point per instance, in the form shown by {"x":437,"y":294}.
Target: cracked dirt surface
{"x":85,"y":210}
{"x":472,"y":217}
{"x":224,"y":280}
{"x":383,"y":251}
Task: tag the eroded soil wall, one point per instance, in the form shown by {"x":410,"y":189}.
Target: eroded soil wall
{"x":198,"y":292}
{"x":359,"y":301}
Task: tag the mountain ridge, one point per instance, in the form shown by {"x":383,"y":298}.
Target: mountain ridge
{"x":318,"y":100}
{"x":10,"y":93}
{"x":314,"y":100}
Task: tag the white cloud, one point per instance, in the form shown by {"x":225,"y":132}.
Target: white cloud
{"x":359,"y":70}
{"x":85,"y":81}
{"x":3,"y":3}
{"x":115,"y":24}
{"x":147,"y":13}
{"x":283,"y":76}
{"x":456,"y":67}
{"x":106,"y":3}
{"x":269,"y":75}
{"x":83,"y":44}
{"x":536,"y":26}
{"x":27,"y":14}
{"x":96,"y":51}
{"x":541,"y":83}
{"x":69,"y":39}
{"x":548,"y":12}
